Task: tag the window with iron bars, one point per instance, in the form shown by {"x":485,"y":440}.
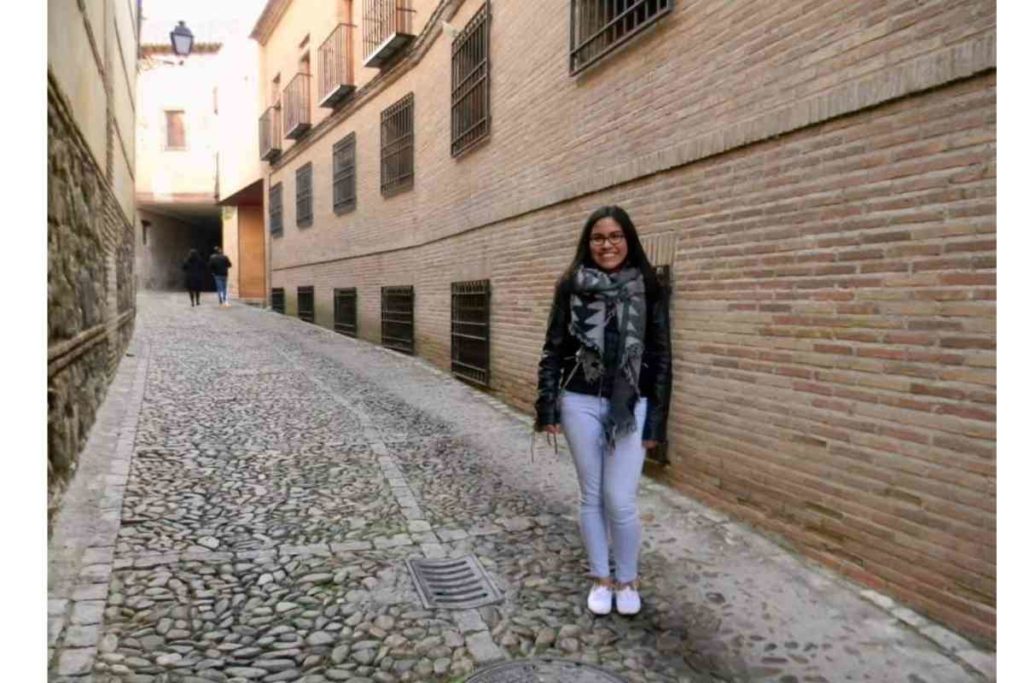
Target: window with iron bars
{"x":471,"y":87}
{"x":659,"y":454}
{"x":304,"y":195}
{"x":276,"y":211}
{"x":471,"y":331}
{"x":306,"y":311}
{"x":599,"y":27}
{"x":345,"y":174}
{"x":396,"y":147}
{"x":277,"y":299}
{"x":396,"y":318}
{"x":345,"y":320}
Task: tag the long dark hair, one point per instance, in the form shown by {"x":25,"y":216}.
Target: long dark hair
{"x":635,"y":257}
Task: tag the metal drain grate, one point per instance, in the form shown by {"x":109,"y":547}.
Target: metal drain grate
{"x":453,"y":584}
{"x":543,"y":671}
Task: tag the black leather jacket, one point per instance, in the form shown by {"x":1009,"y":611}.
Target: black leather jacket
{"x":559,"y":358}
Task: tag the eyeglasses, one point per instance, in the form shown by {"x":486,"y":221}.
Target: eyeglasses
{"x":615,"y":239}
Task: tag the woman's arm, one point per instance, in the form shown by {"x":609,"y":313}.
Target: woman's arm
{"x":658,"y":356}
{"x":549,"y":371}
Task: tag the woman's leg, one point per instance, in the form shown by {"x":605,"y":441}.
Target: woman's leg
{"x":622,"y":472}
{"x":581,"y":422}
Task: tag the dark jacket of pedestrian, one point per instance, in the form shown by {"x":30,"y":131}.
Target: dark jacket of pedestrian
{"x":219,"y":264}
{"x":195,"y":271}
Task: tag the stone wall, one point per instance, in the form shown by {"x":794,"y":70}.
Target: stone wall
{"x":91,"y":290}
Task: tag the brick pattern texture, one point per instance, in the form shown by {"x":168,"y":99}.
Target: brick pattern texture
{"x":834,"y":286}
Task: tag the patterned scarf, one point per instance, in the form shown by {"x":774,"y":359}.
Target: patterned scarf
{"x":596,"y":296}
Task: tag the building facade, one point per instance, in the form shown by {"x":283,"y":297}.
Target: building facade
{"x":239,"y":168}
{"x":177,"y":181}
{"x":815,"y":181}
{"x":91,"y":96}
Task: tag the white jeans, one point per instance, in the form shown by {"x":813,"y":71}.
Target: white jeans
{"x":608,"y":483}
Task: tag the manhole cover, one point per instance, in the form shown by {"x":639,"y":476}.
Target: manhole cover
{"x":453,"y":584}
{"x":543,"y":671}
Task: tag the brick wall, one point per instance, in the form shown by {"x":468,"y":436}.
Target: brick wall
{"x":704,"y":80}
{"x":834,"y":267}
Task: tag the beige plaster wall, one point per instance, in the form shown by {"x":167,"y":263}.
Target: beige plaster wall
{"x":238,"y":111}
{"x":171,"y":83}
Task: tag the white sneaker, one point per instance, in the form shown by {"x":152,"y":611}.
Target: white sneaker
{"x":627,"y":601}
{"x":600,"y":599}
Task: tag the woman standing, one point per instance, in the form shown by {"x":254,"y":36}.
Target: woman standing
{"x":605,"y":379}
{"x":195,"y":273}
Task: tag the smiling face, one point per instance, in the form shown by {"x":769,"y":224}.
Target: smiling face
{"x":608,"y":245}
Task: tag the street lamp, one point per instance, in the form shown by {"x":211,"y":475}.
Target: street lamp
{"x":181,"y":40}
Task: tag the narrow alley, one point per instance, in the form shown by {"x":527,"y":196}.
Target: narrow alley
{"x":254,"y":487}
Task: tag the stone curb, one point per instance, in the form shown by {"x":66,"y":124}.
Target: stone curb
{"x":81,"y":550}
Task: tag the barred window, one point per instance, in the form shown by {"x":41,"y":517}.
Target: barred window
{"x":601,"y":26}
{"x":304,"y":195}
{"x":345,"y":174}
{"x":277,"y":299}
{"x":471,"y":331}
{"x":305,"y":300}
{"x":471,"y":87}
{"x":396,"y":318}
{"x":345,"y":319}
{"x":396,"y":147}
{"x":276,"y":211}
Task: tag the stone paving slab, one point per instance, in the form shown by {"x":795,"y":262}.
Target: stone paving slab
{"x":255,"y":484}
{"x":178,"y":499}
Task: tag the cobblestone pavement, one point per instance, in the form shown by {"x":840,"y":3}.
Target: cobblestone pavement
{"x":254,"y":486}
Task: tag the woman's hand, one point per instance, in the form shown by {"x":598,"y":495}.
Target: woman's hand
{"x":553,"y":429}
{"x":650,"y":443}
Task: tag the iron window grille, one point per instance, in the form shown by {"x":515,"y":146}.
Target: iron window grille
{"x":387,"y":28}
{"x":396,"y":147}
{"x":304,"y":195}
{"x":345,"y":174}
{"x":345,"y":319}
{"x":276,"y":211}
{"x":277,"y":299}
{"x":471,"y":331}
{"x":471,"y":87}
{"x":306,"y":311}
{"x":396,"y":318}
{"x":659,"y":454}
{"x":598,"y":27}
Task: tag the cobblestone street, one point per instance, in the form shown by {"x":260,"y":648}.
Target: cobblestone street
{"x":254,"y":486}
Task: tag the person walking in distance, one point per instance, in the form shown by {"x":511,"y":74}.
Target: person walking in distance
{"x":605,"y":380}
{"x":219,"y":264}
{"x":195,"y":273}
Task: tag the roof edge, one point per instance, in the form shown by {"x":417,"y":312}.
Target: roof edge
{"x":165,"y":48}
{"x":271,"y":14}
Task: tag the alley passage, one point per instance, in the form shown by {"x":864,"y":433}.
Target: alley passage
{"x":280,"y":475}
{"x":274,"y":494}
